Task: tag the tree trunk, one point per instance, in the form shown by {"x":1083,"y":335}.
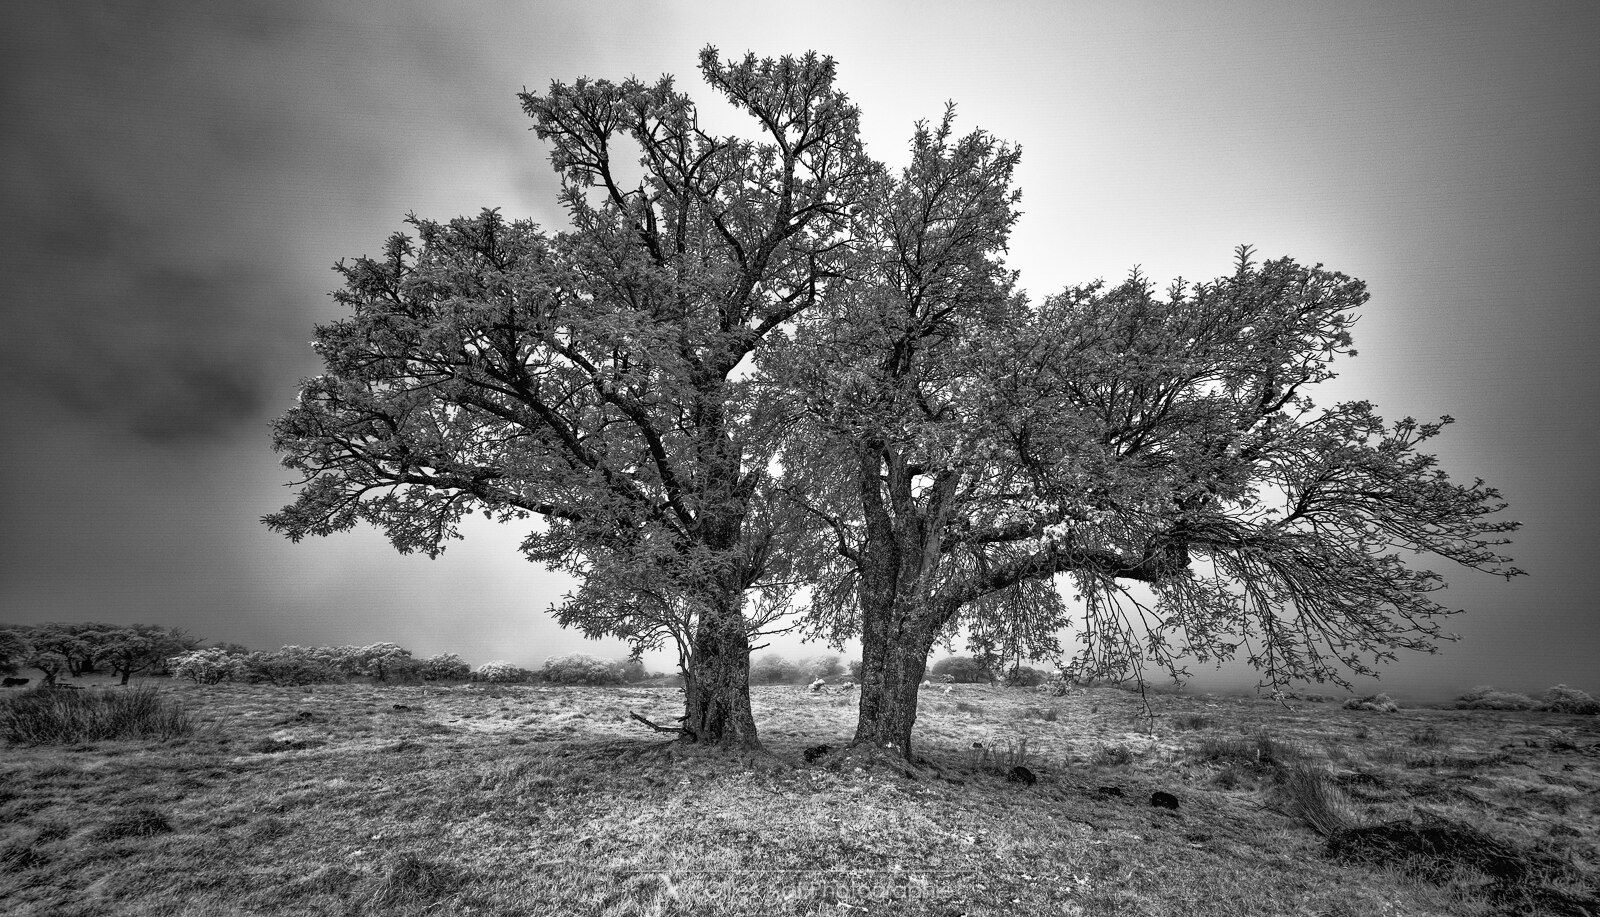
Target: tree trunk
{"x":716,"y":690}
{"x":894,"y":656}
{"x":126,"y":674}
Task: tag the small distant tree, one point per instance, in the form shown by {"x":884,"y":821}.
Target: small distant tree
{"x":961,"y":670}
{"x":232,"y":649}
{"x":128,"y":651}
{"x":292,"y":666}
{"x":14,"y":650}
{"x":500,"y":672}
{"x":380,"y":660}
{"x":772,"y":669}
{"x":821,"y":667}
{"x":633,"y":670}
{"x":582,"y":669}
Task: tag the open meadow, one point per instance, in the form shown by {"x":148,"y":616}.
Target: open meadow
{"x":530,"y":800}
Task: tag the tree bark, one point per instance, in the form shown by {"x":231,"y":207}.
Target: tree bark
{"x":894,"y":657}
{"x":899,"y":623}
{"x":716,"y":693}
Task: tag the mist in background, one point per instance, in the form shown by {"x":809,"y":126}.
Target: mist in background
{"x":177,"y":179}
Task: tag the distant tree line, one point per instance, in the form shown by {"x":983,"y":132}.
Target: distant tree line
{"x":92,"y":648}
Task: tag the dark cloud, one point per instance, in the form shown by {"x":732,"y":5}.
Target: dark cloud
{"x":168,"y":170}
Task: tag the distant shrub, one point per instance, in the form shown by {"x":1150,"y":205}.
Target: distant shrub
{"x":633,"y":670}
{"x":206,"y":667}
{"x":55,"y":716}
{"x":1024,"y":676}
{"x":1378,"y":703}
{"x":445,"y":667}
{"x":1486,"y":697}
{"x":500,"y":672}
{"x":1562,"y":699}
{"x":582,"y":669}
{"x":961,"y":670}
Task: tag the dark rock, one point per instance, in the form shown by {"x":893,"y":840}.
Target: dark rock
{"x":815,"y":753}
{"x":1163,"y":800}
{"x":17,"y":682}
{"x":1108,"y":792}
{"x":1020,"y":774}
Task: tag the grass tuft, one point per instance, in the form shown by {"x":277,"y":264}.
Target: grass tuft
{"x":1255,"y":752}
{"x":142,"y":821}
{"x":48,"y":716}
{"x":1311,"y":797}
{"x":411,"y":880}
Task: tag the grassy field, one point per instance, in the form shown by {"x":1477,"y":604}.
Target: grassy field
{"x":525,"y":800}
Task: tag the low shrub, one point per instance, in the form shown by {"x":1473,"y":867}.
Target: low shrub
{"x":51,"y":716}
{"x":1378,"y":703}
{"x":1486,"y":697}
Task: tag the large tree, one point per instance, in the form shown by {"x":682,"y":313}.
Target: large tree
{"x":593,"y":378}
{"x":1162,"y":453}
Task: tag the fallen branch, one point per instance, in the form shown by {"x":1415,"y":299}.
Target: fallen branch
{"x":675,"y":730}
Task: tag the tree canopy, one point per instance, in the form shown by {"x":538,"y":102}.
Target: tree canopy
{"x":769,"y":368}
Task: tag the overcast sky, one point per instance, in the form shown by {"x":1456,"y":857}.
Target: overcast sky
{"x":176,"y":181}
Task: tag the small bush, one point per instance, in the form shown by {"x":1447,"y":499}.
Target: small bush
{"x":50,"y":716}
{"x":1486,"y":697}
{"x":1562,"y":699}
{"x":1377,"y":703}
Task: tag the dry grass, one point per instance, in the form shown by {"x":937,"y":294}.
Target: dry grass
{"x":355,"y":800}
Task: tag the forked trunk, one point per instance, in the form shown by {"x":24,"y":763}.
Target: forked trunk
{"x":894,"y":657}
{"x":716,"y":690}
